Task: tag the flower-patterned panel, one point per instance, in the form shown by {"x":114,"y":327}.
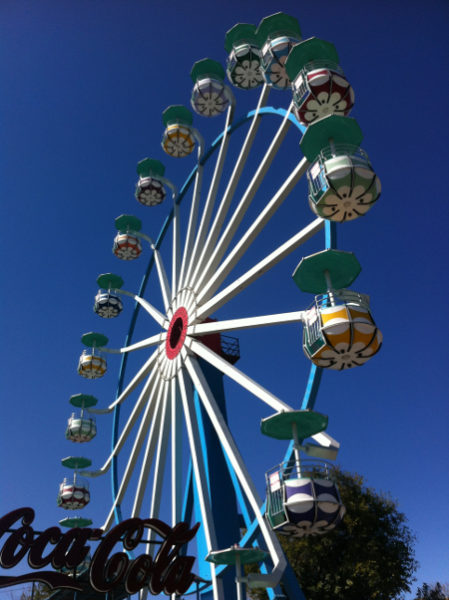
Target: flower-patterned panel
{"x":347,"y":336}
{"x":126,"y":246}
{"x":320,"y":93}
{"x":178,"y":141}
{"x":342,"y":188}
{"x":209,"y":97}
{"x":312,"y":507}
{"x":73,"y":496}
{"x":91,"y":366}
{"x":107,"y":305}
{"x":243,"y":67}
{"x":80,"y":429}
{"x":274,"y":55}
{"x":150,"y":191}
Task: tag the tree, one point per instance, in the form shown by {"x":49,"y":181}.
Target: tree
{"x":370,"y":555}
{"x":437,"y":592}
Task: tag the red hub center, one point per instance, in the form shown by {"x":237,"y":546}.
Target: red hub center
{"x":176,"y":333}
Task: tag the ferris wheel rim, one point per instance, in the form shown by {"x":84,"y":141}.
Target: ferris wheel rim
{"x":214,"y":146}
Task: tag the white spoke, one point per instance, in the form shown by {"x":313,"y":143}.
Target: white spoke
{"x":161,"y":454}
{"x":157,"y":316}
{"x":129,"y":425}
{"x":193,"y":217}
{"x":175,"y":249}
{"x":140,"y":375}
{"x":242,"y":246}
{"x":199,"y":470}
{"x":210,"y":200}
{"x":152,"y":405}
{"x":246,"y":382}
{"x":165,"y":286}
{"x":260,"y":268}
{"x":176,"y":454}
{"x":148,"y":457}
{"x":245,"y":202}
{"x":245,"y":323}
{"x":147,"y":343}
{"x":248,"y":487}
{"x":232,"y":185}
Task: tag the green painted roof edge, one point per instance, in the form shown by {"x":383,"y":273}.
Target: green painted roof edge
{"x":239,"y":34}
{"x":207,"y":66}
{"x":74,"y":522}
{"x":343,"y":266}
{"x":279,"y":23}
{"x":109,"y":280}
{"x":123,"y":222}
{"x":307,"y":51}
{"x":85,"y":400}
{"x":76,"y":462}
{"x":148,"y":167}
{"x":177,"y":113}
{"x":342,"y":130}
{"x":91,"y":338}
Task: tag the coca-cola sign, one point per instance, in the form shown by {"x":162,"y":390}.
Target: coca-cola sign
{"x":167,"y":573}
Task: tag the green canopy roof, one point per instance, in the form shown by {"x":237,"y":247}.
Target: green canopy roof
{"x":177,"y":113}
{"x":125,"y":222}
{"x":278,"y":24}
{"x":341,"y":130}
{"x":150,"y":167}
{"x":83,"y":400}
{"x":343,"y":268}
{"x":207,"y":67}
{"x":305,"y":52}
{"x":75,"y":522}
{"x":76,"y":462}
{"x":94,"y":339}
{"x":280,"y":425}
{"x":239,"y":34}
{"x":109,"y":280}
{"x":229,"y":556}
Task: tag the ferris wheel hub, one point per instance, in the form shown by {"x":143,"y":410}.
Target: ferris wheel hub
{"x":176,"y":333}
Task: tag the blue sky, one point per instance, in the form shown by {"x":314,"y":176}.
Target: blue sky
{"x":83,"y":89}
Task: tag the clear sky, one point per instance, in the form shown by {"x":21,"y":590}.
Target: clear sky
{"x":83,"y":88}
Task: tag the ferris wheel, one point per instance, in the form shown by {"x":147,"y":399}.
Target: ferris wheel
{"x":175,"y":444}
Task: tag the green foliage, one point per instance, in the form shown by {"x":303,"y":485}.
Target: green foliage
{"x":39,"y":591}
{"x":370,"y":556}
{"x":436,"y":592}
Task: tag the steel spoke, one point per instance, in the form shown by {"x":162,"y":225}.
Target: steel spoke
{"x":245,"y":202}
{"x":259,"y":269}
{"x":232,"y":185}
{"x":238,"y":376}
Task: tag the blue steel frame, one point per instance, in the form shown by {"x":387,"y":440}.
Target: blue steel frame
{"x":190,"y":498}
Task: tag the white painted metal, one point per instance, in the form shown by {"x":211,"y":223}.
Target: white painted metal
{"x":153,"y":312}
{"x":175,"y":248}
{"x":135,"y":452}
{"x":248,"y":487}
{"x":140,"y":375}
{"x":199,"y":469}
{"x":238,"y":376}
{"x":193,"y":216}
{"x":213,"y":188}
{"x":245,"y":202}
{"x":260,"y":268}
{"x":126,"y":430}
{"x":147,"y":343}
{"x":176,"y":454}
{"x":150,"y":449}
{"x":231,"y":187}
{"x":259,"y":223}
{"x":159,"y":463}
{"x":245,"y":323}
